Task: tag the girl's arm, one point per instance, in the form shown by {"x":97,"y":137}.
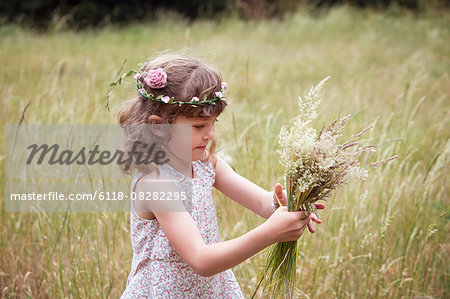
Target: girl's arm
{"x":208,"y":260}
{"x":251,"y":195}
{"x":242,"y":190}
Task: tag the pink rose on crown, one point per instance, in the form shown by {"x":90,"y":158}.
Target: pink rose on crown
{"x":156,"y":78}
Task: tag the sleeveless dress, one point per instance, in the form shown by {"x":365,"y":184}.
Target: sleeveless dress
{"x":157,"y":271}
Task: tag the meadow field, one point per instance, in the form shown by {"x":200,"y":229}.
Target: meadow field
{"x":386,"y":237}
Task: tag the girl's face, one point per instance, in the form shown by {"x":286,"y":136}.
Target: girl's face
{"x":202,"y":133}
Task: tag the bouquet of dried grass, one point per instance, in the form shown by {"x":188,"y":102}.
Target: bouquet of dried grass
{"x":315,"y":165}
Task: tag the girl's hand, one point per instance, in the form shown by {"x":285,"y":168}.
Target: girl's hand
{"x":285,"y":226}
{"x":280,"y":193}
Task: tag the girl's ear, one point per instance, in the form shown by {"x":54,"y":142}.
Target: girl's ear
{"x":154,"y":119}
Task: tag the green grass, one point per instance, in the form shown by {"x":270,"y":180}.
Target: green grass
{"x":386,"y":237}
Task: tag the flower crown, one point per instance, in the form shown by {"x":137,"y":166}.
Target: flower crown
{"x":157,"y":79}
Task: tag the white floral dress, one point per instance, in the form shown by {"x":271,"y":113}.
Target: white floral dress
{"x":157,"y":271}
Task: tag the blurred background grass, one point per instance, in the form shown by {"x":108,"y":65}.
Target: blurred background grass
{"x":385,"y":237}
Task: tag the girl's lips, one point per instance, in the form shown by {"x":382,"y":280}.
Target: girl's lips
{"x":201,"y":147}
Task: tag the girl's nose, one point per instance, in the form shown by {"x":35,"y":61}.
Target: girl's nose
{"x":209,"y":134}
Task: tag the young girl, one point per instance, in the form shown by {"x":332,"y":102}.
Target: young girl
{"x":179,"y":254}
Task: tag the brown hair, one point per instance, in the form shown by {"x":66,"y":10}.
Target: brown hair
{"x":186,"y":77}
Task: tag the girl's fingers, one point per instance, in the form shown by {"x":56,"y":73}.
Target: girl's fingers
{"x":319,"y":206}
{"x":315,"y":218}
{"x":279,"y":191}
{"x":279,"y":194}
{"x":311,"y":227}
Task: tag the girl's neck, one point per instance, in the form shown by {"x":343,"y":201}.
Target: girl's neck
{"x":182,"y":166}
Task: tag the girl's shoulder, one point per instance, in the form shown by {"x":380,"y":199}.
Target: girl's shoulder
{"x":148,"y":178}
{"x":157,"y":174}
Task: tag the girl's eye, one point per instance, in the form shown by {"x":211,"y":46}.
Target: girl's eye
{"x":199,"y":126}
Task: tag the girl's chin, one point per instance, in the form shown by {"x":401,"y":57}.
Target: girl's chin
{"x":197,"y":155}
